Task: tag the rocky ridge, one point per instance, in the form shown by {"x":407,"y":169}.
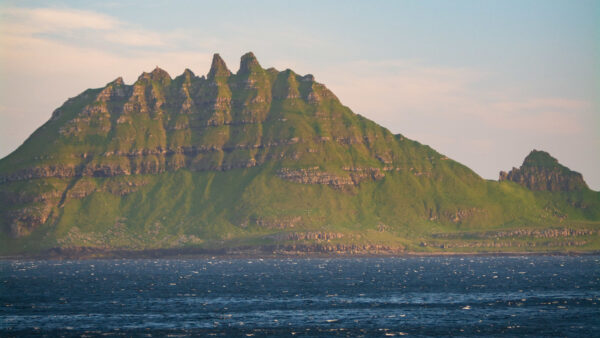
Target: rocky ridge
{"x":220,"y":122}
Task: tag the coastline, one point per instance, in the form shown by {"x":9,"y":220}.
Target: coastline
{"x":198,"y":253}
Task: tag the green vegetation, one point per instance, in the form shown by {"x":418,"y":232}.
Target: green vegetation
{"x":265,"y":159}
{"x":539,"y":158}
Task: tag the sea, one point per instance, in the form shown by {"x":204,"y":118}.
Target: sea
{"x":303,"y":297}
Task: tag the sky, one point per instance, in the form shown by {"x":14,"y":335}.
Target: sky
{"x":483,"y":82}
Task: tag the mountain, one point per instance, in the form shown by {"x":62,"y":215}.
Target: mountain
{"x":268,"y":161}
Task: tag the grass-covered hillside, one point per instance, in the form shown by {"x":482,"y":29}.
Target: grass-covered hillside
{"x":265,"y":160}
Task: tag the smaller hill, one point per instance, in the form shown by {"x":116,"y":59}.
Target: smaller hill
{"x":542,"y":172}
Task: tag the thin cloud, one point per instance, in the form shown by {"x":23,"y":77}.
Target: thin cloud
{"x":49,"y":19}
{"x":135,"y":38}
{"x":407,"y":90}
{"x":75,"y":27}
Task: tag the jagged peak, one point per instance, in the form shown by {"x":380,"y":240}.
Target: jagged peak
{"x":290,"y":76}
{"x":116,"y":82}
{"x":158,"y":75}
{"x":186,"y":76}
{"x":248,"y":63}
{"x":143,"y":76}
{"x":286,"y":85}
{"x":308,"y":78}
{"x":115,"y":88}
{"x":218,"y":68}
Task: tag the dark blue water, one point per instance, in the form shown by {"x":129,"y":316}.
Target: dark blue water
{"x":535,"y":295}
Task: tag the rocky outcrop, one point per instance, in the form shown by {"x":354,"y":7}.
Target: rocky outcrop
{"x":276,"y":222}
{"x":315,"y":176}
{"x":542,"y":172}
{"x":340,"y":249}
{"x":12,"y":197}
{"x":145,"y":161}
{"x":308,"y":236}
{"x":461,"y":214}
{"x":522,"y":233}
{"x":23,"y":221}
{"x":40,"y":172}
{"x":506,"y":244}
{"x":119,"y":187}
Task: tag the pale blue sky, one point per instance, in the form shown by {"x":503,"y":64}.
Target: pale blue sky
{"x":483,"y":82}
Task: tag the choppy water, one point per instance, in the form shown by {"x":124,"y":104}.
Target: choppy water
{"x":536,"y":295}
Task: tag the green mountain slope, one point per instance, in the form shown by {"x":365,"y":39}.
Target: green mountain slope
{"x":268,"y":160}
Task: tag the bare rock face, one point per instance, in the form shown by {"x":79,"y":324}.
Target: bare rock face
{"x":542,"y":172}
{"x":23,"y":221}
{"x":309,"y":236}
{"x":315,"y":176}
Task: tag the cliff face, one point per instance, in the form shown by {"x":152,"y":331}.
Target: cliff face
{"x":542,"y":172}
